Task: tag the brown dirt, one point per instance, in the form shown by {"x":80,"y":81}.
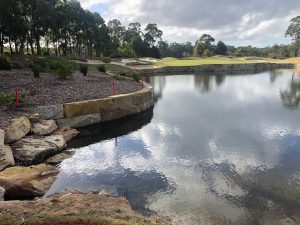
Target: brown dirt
{"x":78,"y":204}
{"x":49,"y":90}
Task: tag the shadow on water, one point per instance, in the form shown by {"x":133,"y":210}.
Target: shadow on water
{"x":113,"y":129}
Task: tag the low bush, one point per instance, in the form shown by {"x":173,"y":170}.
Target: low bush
{"x":64,"y":70}
{"x":101,"y":68}
{"x":117,"y":77}
{"x":4,"y":63}
{"x":41,"y":62}
{"x":10,"y":99}
{"x":36,"y":70}
{"x":83,"y":69}
{"x":135,"y":76}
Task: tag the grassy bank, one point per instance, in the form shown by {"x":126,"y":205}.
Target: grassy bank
{"x":209,"y":60}
{"x":295,"y":60}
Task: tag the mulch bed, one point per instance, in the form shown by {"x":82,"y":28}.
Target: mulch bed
{"x":49,"y":90}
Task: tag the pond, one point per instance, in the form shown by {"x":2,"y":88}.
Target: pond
{"x":215,"y":149}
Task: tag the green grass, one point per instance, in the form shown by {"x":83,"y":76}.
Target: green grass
{"x":210,"y":60}
{"x":295,"y":60}
{"x":118,"y":69}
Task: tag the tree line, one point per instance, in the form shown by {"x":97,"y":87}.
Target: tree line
{"x":64,"y":28}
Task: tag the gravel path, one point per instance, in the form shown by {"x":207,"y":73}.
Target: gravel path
{"x":48,"y":89}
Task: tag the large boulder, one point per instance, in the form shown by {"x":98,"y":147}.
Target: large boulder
{"x":2,"y":137}
{"x":57,"y":159}
{"x":34,"y":150}
{"x":17,"y":130}
{"x":44,"y":127}
{"x":67,"y":132}
{"x":6,"y":157}
{"x":27,"y":182}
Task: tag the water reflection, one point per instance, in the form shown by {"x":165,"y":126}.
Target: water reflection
{"x":291,"y":96}
{"x":218,"y":150}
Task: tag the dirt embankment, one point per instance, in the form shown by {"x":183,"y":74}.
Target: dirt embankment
{"x":71,"y":208}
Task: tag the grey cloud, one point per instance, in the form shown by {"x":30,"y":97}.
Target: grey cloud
{"x":256,"y":22}
{"x":213,"y":14}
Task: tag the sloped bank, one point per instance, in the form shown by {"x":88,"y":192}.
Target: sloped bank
{"x":228,"y":68}
{"x":90,"y":112}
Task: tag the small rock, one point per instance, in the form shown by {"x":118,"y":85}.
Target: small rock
{"x":27,"y":182}
{"x":33,"y":150}
{"x":6,"y":157}
{"x":34,"y":118}
{"x":67,"y":132}
{"x":2,"y":193}
{"x":44,"y":127}
{"x":17,"y":130}
{"x":57,"y":159}
{"x":2,"y":137}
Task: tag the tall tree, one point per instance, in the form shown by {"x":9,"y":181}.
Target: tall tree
{"x":294,"y":31}
{"x":205,"y":42}
{"x":221,"y":48}
{"x":116,"y":33}
{"x":152,"y":34}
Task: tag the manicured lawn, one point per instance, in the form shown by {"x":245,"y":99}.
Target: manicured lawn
{"x":210,"y":60}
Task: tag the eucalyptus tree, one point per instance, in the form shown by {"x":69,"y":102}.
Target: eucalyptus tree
{"x":39,"y":19}
{"x":205,"y":42}
{"x":116,"y":32}
{"x":152,"y":34}
{"x":221,"y":48}
{"x":13,"y":24}
{"x":294,"y":31}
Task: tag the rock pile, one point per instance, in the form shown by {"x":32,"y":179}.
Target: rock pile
{"x":28,"y":148}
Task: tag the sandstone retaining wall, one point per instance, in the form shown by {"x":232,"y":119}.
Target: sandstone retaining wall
{"x":86,"y":113}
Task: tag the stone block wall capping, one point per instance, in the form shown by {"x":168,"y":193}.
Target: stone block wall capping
{"x":86,"y":113}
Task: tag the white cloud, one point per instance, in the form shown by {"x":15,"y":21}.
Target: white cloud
{"x":258,"y":23}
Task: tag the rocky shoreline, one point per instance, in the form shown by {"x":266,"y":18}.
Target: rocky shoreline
{"x":30,"y":148}
{"x":27,"y":148}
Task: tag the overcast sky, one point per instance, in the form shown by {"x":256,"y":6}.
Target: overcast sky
{"x":236,"y":22}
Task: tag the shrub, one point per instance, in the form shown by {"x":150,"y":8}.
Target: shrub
{"x":4,"y":63}
{"x":10,"y":99}
{"x":83,"y":69}
{"x":101,"y":68}
{"x":117,"y":77}
{"x":135,"y":76}
{"x":36,"y":70}
{"x":41,"y":62}
{"x":64,"y":70}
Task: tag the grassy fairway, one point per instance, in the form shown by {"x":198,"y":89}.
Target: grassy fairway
{"x":289,"y":60}
{"x":210,"y":60}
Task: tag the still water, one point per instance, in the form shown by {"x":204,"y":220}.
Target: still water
{"x":215,"y":149}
